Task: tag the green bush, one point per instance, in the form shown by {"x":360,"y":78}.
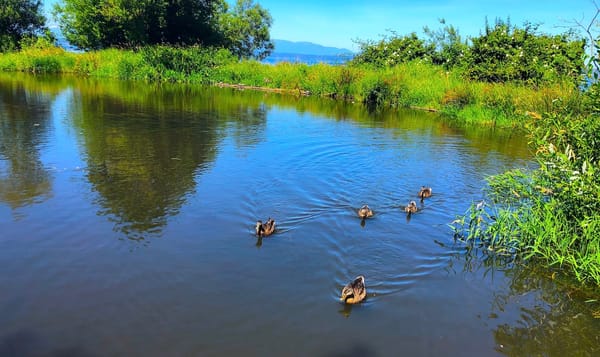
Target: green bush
{"x":508,"y":53}
{"x":392,"y":50}
{"x":177,"y":63}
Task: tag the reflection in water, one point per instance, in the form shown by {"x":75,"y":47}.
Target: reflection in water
{"x":555,"y":320}
{"x":346,"y":310}
{"x":143,"y":156}
{"x":24,"y":121}
{"x":541,"y":313}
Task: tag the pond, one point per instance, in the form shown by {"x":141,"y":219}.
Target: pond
{"x":128,"y":211}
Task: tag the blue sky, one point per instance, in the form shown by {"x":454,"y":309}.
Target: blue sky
{"x":338,"y":22}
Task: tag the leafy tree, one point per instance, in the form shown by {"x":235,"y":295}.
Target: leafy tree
{"x":19,"y":19}
{"x":392,"y":50}
{"x":246,"y":30}
{"x":508,"y":53}
{"x":193,"y":21}
{"x":96,"y":24}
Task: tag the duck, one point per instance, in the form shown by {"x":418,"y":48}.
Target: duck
{"x":411,"y":208}
{"x":265,"y":229}
{"x":355,"y":291}
{"x":365,"y":212}
{"x":424,"y":192}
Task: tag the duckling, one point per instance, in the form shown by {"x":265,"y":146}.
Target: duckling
{"x":424,"y":192}
{"x":411,"y":208}
{"x":365,"y":212}
{"x":265,"y":229}
{"x":355,"y":291}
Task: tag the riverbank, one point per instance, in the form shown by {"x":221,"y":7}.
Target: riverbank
{"x":416,"y":84}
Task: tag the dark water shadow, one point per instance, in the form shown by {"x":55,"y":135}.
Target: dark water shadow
{"x":354,"y":350}
{"x":26,"y":343}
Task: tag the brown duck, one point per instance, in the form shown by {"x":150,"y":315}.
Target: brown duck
{"x":411,"y":208}
{"x":365,"y":212}
{"x":355,"y":291}
{"x":424,"y":192}
{"x":265,"y":229}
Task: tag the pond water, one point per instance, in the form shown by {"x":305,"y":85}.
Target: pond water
{"x":127,"y":213}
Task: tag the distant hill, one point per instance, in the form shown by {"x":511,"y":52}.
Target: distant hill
{"x":307,"y":48}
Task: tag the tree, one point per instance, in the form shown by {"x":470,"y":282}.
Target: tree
{"x":19,"y":19}
{"x":246,"y":30}
{"x":97,"y":24}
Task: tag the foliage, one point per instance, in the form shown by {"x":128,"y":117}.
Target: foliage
{"x":246,"y":30}
{"x":19,"y":19}
{"x":93,"y":25}
{"x":503,"y":53}
{"x":550,"y":214}
{"x":508,"y":53}
{"x":177,"y":64}
{"x":39,"y":56}
{"x":450,"y":50}
{"x":392,"y":50}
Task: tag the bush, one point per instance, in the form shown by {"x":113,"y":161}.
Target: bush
{"x":393,"y":50}
{"x":507,"y":53}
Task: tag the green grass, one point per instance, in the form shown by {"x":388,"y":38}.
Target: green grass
{"x":414,"y":84}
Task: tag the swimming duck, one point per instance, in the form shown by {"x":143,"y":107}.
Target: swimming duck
{"x":265,"y":229}
{"x":355,"y":291}
{"x":365,"y":212}
{"x":424,"y":192}
{"x":411,"y":208}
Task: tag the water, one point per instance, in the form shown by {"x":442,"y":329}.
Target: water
{"x":127,"y":213}
{"x":277,"y":57}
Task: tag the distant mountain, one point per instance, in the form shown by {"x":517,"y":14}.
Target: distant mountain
{"x":308,"y":48}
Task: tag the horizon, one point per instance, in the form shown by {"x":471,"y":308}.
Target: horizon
{"x":340,"y":24}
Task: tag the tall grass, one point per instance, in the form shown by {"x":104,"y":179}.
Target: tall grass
{"x":551,"y":214}
{"x":414,"y":84}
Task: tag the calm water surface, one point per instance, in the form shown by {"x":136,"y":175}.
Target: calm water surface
{"x":127,"y":211}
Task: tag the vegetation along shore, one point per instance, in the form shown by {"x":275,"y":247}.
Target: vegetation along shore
{"x":509,"y":76}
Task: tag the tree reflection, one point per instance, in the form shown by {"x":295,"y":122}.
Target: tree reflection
{"x":541,"y":312}
{"x":23,"y":129}
{"x":561,"y":320}
{"x":145,"y":149}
